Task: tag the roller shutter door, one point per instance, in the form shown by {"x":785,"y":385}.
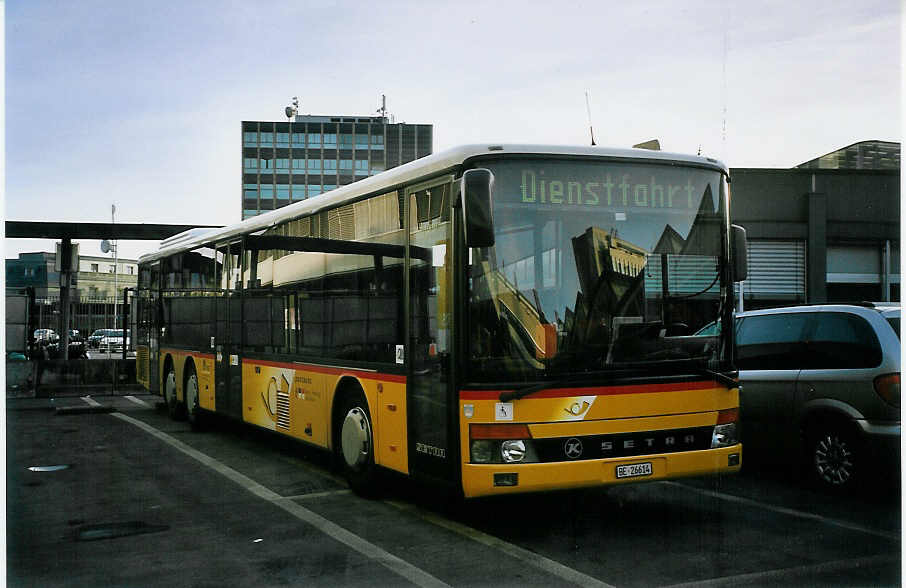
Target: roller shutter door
{"x":776,"y":270}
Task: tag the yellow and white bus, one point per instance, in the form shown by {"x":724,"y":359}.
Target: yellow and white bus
{"x":493,"y":318}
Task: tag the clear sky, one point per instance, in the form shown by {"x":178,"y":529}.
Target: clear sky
{"x":139,"y":103}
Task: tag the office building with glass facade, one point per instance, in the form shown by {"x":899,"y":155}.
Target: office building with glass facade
{"x":284,"y":162}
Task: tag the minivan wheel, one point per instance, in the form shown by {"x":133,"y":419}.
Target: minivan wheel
{"x":835,"y":458}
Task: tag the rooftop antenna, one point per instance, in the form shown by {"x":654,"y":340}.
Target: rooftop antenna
{"x":588,"y":110}
{"x":383,"y":108}
{"x":293,"y":109}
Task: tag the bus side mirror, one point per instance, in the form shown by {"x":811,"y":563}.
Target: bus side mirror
{"x":739,"y":253}
{"x":477,"y":199}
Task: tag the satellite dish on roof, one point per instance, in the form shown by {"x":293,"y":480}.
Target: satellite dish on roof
{"x":105,"y":246}
{"x":289,"y":112}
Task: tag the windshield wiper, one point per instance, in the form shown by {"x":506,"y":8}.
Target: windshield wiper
{"x":523,"y":392}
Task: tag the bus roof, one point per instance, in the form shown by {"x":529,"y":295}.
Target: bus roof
{"x":424,"y":167}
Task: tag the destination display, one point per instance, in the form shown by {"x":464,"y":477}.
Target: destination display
{"x":581,"y":185}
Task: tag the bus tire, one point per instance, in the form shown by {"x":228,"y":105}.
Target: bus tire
{"x":193,"y":409}
{"x":174,"y":408}
{"x":354,"y":444}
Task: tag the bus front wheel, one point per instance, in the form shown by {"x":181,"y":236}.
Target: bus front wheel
{"x":355,"y":444}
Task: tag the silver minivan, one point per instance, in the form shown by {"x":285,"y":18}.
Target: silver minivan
{"x":822,"y":382}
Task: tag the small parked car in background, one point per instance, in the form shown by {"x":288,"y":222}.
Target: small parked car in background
{"x":94,"y":339}
{"x":112,"y":340}
{"x":822,"y":383}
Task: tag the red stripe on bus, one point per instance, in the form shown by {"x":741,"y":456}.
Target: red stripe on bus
{"x":328,"y":370}
{"x":593,"y":391}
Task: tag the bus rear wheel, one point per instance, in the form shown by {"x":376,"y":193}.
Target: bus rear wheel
{"x":354,"y":444}
{"x":193,"y":411}
{"x":173,"y":407}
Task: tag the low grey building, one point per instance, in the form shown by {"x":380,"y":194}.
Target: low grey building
{"x":827,"y":230}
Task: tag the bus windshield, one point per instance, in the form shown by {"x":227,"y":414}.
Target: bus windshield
{"x":598,"y":265}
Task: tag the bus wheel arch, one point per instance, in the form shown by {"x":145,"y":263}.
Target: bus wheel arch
{"x":353,"y":437}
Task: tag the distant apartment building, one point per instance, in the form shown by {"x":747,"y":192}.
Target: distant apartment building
{"x":97,"y":278}
{"x":285,"y":162}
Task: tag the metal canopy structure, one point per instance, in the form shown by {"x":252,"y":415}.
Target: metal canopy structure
{"x":65,"y":230}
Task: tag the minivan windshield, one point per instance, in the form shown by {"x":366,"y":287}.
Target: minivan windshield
{"x":597,"y":265}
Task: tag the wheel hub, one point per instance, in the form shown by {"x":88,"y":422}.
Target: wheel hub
{"x":833,"y":459}
{"x":355,"y":438}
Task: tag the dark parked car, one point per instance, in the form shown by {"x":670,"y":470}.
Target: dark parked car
{"x":822,"y":383}
{"x":77,"y":347}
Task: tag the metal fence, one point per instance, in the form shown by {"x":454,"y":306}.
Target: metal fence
{"x":87,"y":314}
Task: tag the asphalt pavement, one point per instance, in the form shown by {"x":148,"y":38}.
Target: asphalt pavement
{"x":109,"y":491}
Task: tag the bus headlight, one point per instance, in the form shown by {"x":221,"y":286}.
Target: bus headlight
{"x":503,"y":443}
{"x":512,"y":451}
{"x":724,"y":436}
{"x":482,"y":451}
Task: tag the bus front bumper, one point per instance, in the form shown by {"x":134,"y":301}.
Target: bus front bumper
{"x":494,"y":479}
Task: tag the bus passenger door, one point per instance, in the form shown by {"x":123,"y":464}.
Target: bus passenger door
{"x":432,"y":449}
{"x":227,"y":371}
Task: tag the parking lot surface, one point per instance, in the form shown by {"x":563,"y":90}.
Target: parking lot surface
{"x":108,"y":491}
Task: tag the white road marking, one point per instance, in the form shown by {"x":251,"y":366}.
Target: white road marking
{"x":788,"y":576}
{"x":317,"y":495}
{"x":90,"y":401}
{"x":789,"y":511}
{"x":415,"y":575}
{"x":138,"y":401}
{"x":539,"y":561}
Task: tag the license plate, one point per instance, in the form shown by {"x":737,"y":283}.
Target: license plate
{"x":634,"y":470}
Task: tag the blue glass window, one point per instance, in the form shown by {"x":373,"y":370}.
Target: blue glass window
{"x":282,"y":139}
{"x":330,"y":165}
{"x":361,"y":141}
{"x":377,"y":140}
{"x":250,"y":191}
{"x":282,"y":191}
{"x":298,"y":139}
{"x":250,"y":139}
{"x":330,"y":140}
{"x":314,"y":190}
{"x":346,"y":141}
{"x":250,"y":163}
{"x":281,"y":163}
{"x":361,"y":167}
{"x":329,"y":187}
{"x":267,"y":191}
{"x":267,"y":139}
{"x":314,"y":139}
{"x":249,"y":213}
{"x":345,"y":164}
{"x":314,"y":165}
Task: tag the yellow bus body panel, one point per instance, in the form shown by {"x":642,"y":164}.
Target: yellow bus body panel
{"x":297,"y":400}
{"x":596,"y":411}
